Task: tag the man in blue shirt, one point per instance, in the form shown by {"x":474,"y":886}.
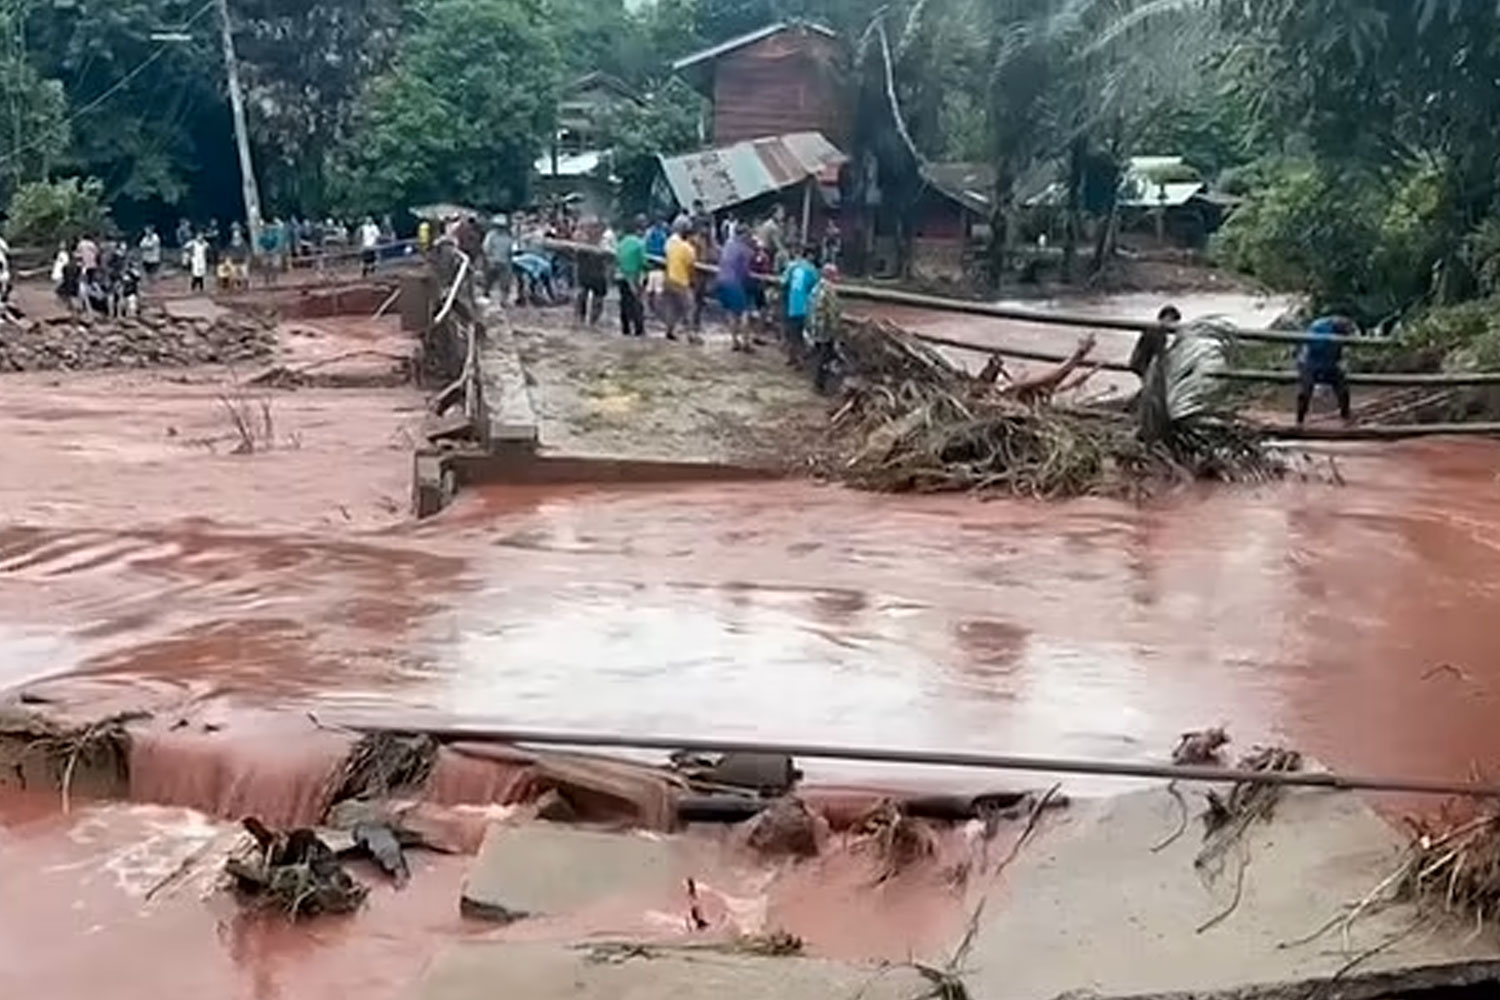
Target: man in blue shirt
{"x":1320,"y":362}
{"x":800,"y":281}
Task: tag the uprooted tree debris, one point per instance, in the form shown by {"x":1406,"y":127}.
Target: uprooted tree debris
{"x":294,"y":872}
{"x":912,"y":421}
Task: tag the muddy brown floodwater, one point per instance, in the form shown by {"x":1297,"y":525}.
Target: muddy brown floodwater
{"x":141,"y":564}
{"x":1350,"y":621}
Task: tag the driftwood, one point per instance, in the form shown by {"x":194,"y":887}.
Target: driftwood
{"x":912,"y":422}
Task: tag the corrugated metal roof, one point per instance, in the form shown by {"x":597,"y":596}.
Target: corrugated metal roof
{"x":732,"y":175}
{"x":749,"y":38}
{"x":1171,"y":195}
{"x":571,"y":164}
{"x":972,"y":185}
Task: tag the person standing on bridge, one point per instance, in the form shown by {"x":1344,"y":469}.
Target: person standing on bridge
{"x":1320,"y":361}
{"x":499,"y":253}
{"x":733,"y":286}
{"x":800,"y":282}
{"x":631,"y":268}
{"x":677,"y":295}
{"x":823,"y":321}
{"x":592,"y":274}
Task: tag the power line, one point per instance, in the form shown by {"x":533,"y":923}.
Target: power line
{"x":109,"y":92}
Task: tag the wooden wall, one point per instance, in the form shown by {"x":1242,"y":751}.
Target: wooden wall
{"x":781,"y":84}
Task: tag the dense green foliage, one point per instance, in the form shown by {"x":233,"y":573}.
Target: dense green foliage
{"x":666,"y":122}
{"x":1364,"y":135}
{"x":462,"y":112}
{"x":43,"y":211}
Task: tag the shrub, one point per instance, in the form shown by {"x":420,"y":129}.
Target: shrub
{"x":49,"y":212}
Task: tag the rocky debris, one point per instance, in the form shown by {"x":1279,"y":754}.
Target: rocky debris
{"x":153,"y":340}
{"x":787,"y":828}
{"x":1201,"y":747}
{"x":897,"y":839}
{"x":293,"y":871}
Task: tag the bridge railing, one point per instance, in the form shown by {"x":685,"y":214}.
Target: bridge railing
{"x":451,"y":347}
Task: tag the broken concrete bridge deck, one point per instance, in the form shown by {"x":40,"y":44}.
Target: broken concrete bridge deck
{"x":1092,"y":905}
{"x":569,"y":404}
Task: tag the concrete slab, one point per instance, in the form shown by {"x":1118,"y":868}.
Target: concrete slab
{"x":541,"y":869}
{"x":513,"y":419}
{"x":496,"y":970}
{"x":1087,"y":906}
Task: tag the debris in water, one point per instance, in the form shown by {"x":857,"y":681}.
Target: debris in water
{"x":1201,"y":746}
{"x":1455,"y":865}
{"x":776,"y":944}
{"x":786,"y":828}
{"x":899,"y":840}
{"x":696,"y":920}
{"x":912,"y":422}
{"x":1227,"y":819}
{"x":382,"y":763}
{"x":383,"y":846}
{"x":101,"y":747}
{"x":294,"y":871}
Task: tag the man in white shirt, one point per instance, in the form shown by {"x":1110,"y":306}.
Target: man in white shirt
{"x":151,"y":252}
{"x":369,"y":246}
{"x":198,"y":261}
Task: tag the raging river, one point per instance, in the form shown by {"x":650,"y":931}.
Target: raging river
{"x":1350,"y":621}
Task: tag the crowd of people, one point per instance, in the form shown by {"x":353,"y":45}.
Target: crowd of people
{"x":102,"y":277}
{"x":767,"y":282}
{"x":105,"y":276}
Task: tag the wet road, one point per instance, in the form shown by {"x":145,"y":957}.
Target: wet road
{"x":1349,"y":621}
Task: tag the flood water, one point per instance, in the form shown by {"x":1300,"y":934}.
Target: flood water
{"x":1350,"y":621}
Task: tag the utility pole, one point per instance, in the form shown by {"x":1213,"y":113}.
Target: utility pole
{"x":241,"y":134}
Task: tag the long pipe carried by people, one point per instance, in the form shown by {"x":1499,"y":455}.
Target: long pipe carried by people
{"x":891,"y":296}
{"x":480,"y":733}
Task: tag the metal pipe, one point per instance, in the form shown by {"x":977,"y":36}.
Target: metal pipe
{"x":1382,"y":432}
{"x":1368,"y":378}
{"x":476,"y":733}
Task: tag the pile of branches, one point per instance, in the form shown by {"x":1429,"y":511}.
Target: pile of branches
{"x":913,"y":422}
{"x":1455,"y":864}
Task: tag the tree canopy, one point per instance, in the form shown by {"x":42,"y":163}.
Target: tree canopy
{"x":1364,"y":133}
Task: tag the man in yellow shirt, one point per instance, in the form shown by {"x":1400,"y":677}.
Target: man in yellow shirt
{"x":677,"y":297}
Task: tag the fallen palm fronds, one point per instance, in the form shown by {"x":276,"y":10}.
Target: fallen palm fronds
{"x":914,"y":422}
{"x":294,"y":872}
